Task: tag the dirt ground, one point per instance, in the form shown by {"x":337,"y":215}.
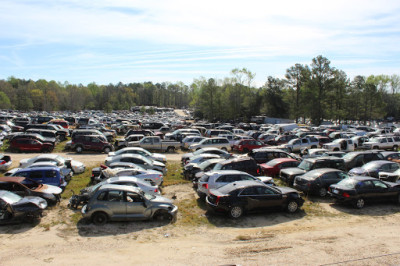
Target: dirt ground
{"x":329,"y":236}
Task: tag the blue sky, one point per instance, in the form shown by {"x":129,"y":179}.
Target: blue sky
{"x":107,"y":41}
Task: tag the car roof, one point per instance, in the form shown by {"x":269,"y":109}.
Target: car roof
{"x":239,"y":184}
{"x":282,"y":160}
{"x":120,"y":187}
{"x":237,"y":159}
{"x":321,"y":171}
{"x":123,"y":178}
{"x":39,"y":168}
{"x":16,"y":179}
{"x":227,"y":172}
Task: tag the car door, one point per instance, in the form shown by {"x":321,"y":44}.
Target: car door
{"x":366,"y":190}
{"x":34,"y":145}
{"x":136,"y":208}
{"x":115,"y":202}
{"x":382,"y":191}
{"x":146,"y":143}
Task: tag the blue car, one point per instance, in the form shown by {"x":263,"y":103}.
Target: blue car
{"x":46,"y":175}
{"x":373,"y":168}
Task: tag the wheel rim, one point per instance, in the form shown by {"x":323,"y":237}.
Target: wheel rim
{"x":79,"y":149}
{"x":99,"y":219}
{"x":322,"y":192}
{"x":236,"y":212}
{"x":360,"y":203}
{"x":292,"y":206}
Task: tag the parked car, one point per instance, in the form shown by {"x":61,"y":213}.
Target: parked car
{"x":289,"y":174}
{"x":240,"y":197}
{"x":155,"y":178}
{"x":46,"y":175}
{"x":23,"y":187}
{"x":85,"y":194}
{"x":30,"y":145}
{"x":273,"y":167}
{"x":247,"y":145}
{"x":222,"y":153}
{"x":374,"y":167}
{"x":359,"y":158}
{"x":217,"y":142}
{"x":296,"y":145}
{"x":121,"y":143}
{"x":193,"y":166}
{"x":358,"y":190}
{"x":17,"y":209}
{"x":97,"y":143}
{"x":137,"y":150}
{"x":340,"y":145}
{"x":244,"y":164}
{"x":216,"y":179}
{"x":391,"y":156}
{"x":265,"y":155}
{"x":155,"y":143}
{"x":186,"y":142}
{"x":198,"y":170}
{"x":59,"y":161}
{"x":137,"y":159}
{"x":5,"y":162}
{"x":318,"y":181}
{"x":382,"y":143}
{"x":124,"y":203}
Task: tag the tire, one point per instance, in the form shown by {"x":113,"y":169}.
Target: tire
{"x":245,"y":150}
{"x":162,"y":216}
{"x":107,"y":150}
{"x":313,"y":147}
{"x":359,"y":203}
{"x":170,"y":149}
{"x":322,"y":192}
{"x":375,"y":148}
{"x":224,"y":149}
{"x":335,"y":149}
{"x":395,"y":147}
{"x":79,"y":149}
{"x":292,"y":206}
{"x":99,"y":218}
{"x":236,"y":212}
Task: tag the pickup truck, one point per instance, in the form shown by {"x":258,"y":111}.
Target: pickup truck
{"x":296,"y":145}
{"x":340,"y":145}
{"x":155,"y":143}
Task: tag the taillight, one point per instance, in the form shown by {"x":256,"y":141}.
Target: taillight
{"x":258,"y":170}
{"x":217,"y":200}
{"x":156,"y":190}
{"x":102,"y":166}
{"x":205,"y":186}
{"x":2,"y":162}
{"x":346,"y":195}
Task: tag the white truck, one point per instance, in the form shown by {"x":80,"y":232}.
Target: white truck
{"x":382,"y":143}
{"x":340,"y":145}
{"x":297,"y":145}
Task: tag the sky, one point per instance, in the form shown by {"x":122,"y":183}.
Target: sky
{"x":111,"y":41}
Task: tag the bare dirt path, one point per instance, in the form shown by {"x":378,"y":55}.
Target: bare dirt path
{"x":332,"y":234}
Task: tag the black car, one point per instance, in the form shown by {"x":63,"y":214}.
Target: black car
{"x":247,"y":196}
{"x":264,"y":155}
{"x":244,"y":164}
{"x":318,"y":181}
{"x":359,"y":158}
{"x":289,"y":174}
{"x":357,"y":190}
{"x":14,"y":209}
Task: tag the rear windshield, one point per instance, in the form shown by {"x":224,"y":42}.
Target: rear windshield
{"x":347,"y":183}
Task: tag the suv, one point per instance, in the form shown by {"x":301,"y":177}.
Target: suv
{"x":264,"y":155}
{"x":92,"y":142}
{"x":30,"y":145}
{"x":245,"y":164}
{"x":289,"y":174}
{"x":77,"y":132}
{"x":247,"y":145}
{"x":359,"y":158}
{"x":62,"y":133}
{"x":383,"y":143}
{"x":296,"y":145}
{"x":220,"y":143}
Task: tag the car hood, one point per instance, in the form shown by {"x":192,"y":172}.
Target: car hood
{"x":161,"y":200}
{"x":358,"y":171}
{"x":49,"y":189}
{"x":110,"y":154}
{"x":187,"y":155}
{"x":38,"y":201}
{"x":75,"y":163}
{"x":159,"y":157}
{"x":266,"y":179}
{"x":157,"y":163}
{"x":293,"y":171}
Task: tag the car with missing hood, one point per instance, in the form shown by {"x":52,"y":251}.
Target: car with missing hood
{"x":17,"y":209}
{"x":240,"y":197}
{"x":126,"y":203}
{"x":27,"y":187}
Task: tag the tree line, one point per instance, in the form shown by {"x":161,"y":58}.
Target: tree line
{"x":317,"y":92}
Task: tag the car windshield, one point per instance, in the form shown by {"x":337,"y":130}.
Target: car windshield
{"x":10,"y":197}
{"x":96,"y":187}
{"x":198,"y":152}
{"x":305,"y":165}
{"x":218,"y":166}
{"x":347,"y":183}
{"x":337,"y":141}
{"x":370,"y":166}
{"x":147,"y":196}
{"x":349,"y":156}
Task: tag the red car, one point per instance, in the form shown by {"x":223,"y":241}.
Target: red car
{"x":273,"y":167}
{"x":30,"y":145}
{"x":247,"y":145}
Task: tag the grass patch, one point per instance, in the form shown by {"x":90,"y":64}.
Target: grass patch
{"x":77,"y":183}
{"x":6,"y":146}
{"x":314,"y":208}
{"x":174,"y":174}
{"x":191,"y":214}
{"x":60,"y":147}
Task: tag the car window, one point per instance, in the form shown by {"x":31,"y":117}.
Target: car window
{"x":133,"y":197}
{"x":379,"y":184}
{"x":115,"y":195}
{"x":246,"y":177}
{"x":50,"y":174}
{"x":365,"y":184}
{"x":249,"y":191}
{"x":36,"y":174}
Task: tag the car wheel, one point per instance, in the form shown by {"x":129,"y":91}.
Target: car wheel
{"x":79,"y":149}
{"x":313,"y":147}
{"x":322,"y":192}
{"x":245,"y":150}
{"x":292,"y":206}
{"x":375,"y":148}
{"x":395,"y":147}
{"x":359,"y":204}
{"x":107,"y":150}
{"x":224,"y":149}
{"x":335,"y":149}
{"x":99,"y":218}
{"x":236,"y":212}
{"x":163,"y":216}
{"x":170,"y":149}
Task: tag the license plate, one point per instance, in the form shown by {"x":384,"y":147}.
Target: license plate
{"x":335,"y":191}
